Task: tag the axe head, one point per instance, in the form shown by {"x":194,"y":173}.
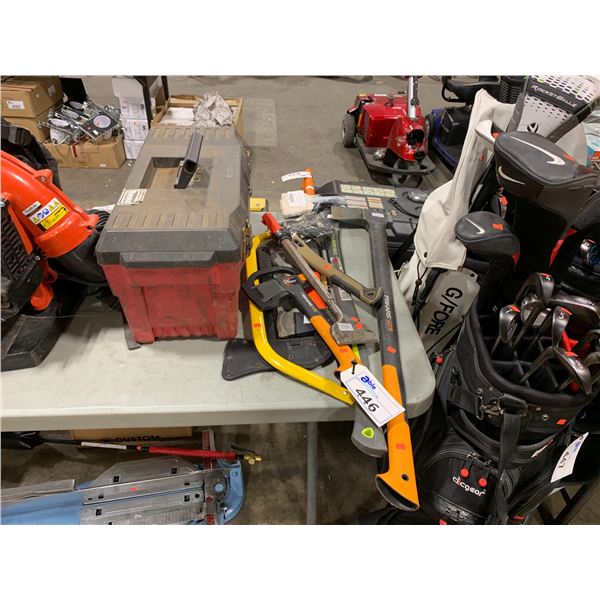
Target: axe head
{"x":351,"y":217}
{"x":359,"y":217}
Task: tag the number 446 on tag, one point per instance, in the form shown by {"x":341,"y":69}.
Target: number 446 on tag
{"x":379,"y":405}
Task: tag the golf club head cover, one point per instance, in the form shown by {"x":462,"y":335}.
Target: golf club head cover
{"x":548,"y":190}
{"x":490,"y":237}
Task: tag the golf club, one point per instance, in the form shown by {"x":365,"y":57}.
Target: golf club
{"x":569,"y":361}
{"x":555,"y":321}
{"x":542,"y":284}
{"x":531,"y":308}
{"x":488,"y":236}
{"x":508,"y":321}
{"x":585,"y":313}
{"x":593,"y":358}
{"x":588,"y":338}
{"x":547,"y":195}
{"x":559,"y":322}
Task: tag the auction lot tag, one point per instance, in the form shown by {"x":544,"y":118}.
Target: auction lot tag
{"x":566,"y":462}
{"x":296,"y":175}
{"x":370,"y":395}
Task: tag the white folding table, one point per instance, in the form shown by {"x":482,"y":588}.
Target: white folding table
{"x":91,"y":380}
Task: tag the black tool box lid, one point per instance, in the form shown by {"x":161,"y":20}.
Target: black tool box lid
{"x":155,"y":225}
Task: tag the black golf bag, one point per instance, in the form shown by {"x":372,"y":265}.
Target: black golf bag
{"x":495,"y":443}
{"x":488,"y":448}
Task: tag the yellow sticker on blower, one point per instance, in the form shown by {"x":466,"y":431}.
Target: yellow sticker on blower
{"x":49,"y":215}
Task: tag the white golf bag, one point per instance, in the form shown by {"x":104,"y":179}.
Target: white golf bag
{"x":436,"y":282}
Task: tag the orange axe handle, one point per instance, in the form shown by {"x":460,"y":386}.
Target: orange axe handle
{"x":398,"y":484}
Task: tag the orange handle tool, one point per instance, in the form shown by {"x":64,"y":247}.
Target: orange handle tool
{"x":343,"y":354}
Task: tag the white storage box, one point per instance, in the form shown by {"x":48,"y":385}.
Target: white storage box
{"x":131,"y":97}
{"x":135,"y":108}
{"x":135,"y":129}
{"x":132,"y":149}
{"x":128,"y":87}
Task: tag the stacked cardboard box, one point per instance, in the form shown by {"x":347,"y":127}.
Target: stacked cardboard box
{"x":134,"y":117}
{"x":27,"y":100}
{"x":87,"y":155}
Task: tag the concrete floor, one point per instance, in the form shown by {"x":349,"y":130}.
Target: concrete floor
{"x":290,"y":123}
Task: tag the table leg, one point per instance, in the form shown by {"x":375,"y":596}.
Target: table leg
{"x":312,"y":436}
{"x":569,"y":512}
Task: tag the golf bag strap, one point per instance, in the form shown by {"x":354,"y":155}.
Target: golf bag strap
{"x":491,"y":448}
{"x":462,"y":398}
{"x":509,"y":435}
{"x":419,"y":300}
{"x":478,"y":405}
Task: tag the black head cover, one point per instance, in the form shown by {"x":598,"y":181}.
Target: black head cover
{"x":530,"y":166}
{"x":487,"y":235}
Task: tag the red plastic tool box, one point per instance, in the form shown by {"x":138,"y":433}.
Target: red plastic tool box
{"x":173,"y":256}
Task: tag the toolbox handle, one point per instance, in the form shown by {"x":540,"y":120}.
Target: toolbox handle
{"x":188,"y":166}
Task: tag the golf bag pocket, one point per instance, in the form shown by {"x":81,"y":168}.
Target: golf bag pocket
{"x":466,"y":477}
{"x":456,"y":484}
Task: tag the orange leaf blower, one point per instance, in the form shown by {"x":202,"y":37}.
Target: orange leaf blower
{"x":40,"y":223}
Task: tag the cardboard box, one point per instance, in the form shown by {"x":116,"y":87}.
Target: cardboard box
{"x":27,"y":97}
{"x":132,"y":435}
{"x":135,"y":129}
{"x":132,"y":149}
{"x":178,"y":115}
{"x":87,"y":155}
{"x":32,"y":125}
{"x":189,"y":101}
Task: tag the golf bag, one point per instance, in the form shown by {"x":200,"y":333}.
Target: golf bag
{"x":436,"y":281}
{"x":492,"y":444}
{"x":577,"y":277}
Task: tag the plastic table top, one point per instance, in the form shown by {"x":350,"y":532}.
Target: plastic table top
{"x":91,"y":380}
